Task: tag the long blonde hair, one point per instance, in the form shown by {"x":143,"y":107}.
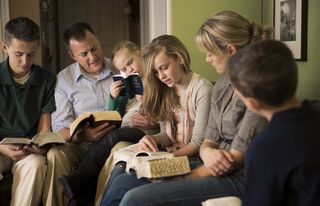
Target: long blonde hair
{"x":229,"y":28}
{"x":159,"y":100}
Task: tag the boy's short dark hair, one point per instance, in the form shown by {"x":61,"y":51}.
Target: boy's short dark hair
{"x":266,"y":71}
{"x":76,"y":31}
{"x":21,"y":28}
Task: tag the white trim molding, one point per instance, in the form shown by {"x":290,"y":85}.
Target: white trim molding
{"x":155,"y":18}
{"x":4,"y":17}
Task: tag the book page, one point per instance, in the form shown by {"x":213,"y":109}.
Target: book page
{"x":46,"y":138}
{"x":106,"y":115}
{"x":131,"y":151}
{"x":15,"y":140}
{"x":113,"y":117}
{"x":77,"y":121}
{"x":126,"y":153}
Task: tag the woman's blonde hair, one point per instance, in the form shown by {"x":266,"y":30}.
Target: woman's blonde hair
{"x":159,"y":100}
{"x":229,"y":28}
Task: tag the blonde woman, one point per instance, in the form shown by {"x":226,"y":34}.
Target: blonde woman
{"x":230,"y":126}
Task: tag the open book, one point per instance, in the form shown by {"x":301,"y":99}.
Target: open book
{"x":94,"y":119}
{"x":158,"y":164}
{"x":132,"y":84}
{"x":39,"y":139}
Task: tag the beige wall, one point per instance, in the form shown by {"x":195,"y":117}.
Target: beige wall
{"x":30,"y":9}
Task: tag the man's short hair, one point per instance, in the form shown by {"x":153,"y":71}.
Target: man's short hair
{"x":76,"y":31}
{"x":21,"y":28}
{"x":266,"y":71}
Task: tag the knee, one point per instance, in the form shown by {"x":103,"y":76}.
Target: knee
{"x":56,"y":152}
{"x":52,"y":153}
{"x":35,"y":163}
{"x":135,"y":197}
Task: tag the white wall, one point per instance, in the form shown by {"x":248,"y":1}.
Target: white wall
{"x":155,"y":18}
{"x":4,"y":17}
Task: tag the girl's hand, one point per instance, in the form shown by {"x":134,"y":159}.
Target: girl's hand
{"x":116,"y":87}
{"x":147,"y":143}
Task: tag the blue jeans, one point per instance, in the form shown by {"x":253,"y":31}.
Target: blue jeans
{"x":127,"y":190}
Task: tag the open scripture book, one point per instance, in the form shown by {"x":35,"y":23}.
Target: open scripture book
{"x":39,"y":139}
{"x":94,"y":119}
{"x":158,"y":165}
{"x":153,"y":164}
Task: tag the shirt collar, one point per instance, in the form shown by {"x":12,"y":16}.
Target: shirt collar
{"x":6,"y":77}
{"x":105,"y":72}
{"x":305,"y":109}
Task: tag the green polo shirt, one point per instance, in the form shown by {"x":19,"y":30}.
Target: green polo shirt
{"x":22,"y":105}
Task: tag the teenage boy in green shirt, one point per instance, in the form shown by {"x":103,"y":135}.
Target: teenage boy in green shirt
{"x":27,"y":100}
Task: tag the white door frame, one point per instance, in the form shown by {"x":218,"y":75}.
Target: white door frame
{"x":155,"y":19}
{"x":4,"y":17}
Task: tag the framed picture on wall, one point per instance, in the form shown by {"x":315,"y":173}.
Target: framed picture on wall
{"x":290,"y":24}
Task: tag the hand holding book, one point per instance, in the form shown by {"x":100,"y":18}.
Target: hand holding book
{"x":132,"y":84}
{"x":94,"y":119}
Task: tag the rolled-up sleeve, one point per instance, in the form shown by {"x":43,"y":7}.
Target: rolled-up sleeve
{"x":250,"y":126}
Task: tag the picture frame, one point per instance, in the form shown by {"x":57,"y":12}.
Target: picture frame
{"x":290,"y":25}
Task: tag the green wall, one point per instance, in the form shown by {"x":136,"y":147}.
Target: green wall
{"x":187,"y":16}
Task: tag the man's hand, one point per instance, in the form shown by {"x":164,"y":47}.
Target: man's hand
{"x":95,"y":133}
{"x":15,"y":152}
{"x":217,"y":162}
{"x":148,"y":143}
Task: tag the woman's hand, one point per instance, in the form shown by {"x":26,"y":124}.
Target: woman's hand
{"x":217,"y":162}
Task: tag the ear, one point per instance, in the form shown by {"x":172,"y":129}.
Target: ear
{"x":253,"y":104}
{"x":4,"y":47}
{"x":231,"y":49}
{"x":180,"y":59}
{"x":71,"y":55}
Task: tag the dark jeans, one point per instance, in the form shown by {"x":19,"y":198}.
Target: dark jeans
{"x":99,"y":151}
{"x":126,"y":190}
